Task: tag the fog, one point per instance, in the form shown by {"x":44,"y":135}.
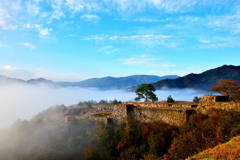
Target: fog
{"x":24,"y":101}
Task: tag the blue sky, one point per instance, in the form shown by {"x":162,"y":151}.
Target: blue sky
{"x":72,"y":40}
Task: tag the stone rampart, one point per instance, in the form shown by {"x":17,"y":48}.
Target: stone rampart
{"x":218,"y":102}
{"x":147,"y":112}
{"x":171,"y":116}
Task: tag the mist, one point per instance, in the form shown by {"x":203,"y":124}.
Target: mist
{"x":25,"y":101}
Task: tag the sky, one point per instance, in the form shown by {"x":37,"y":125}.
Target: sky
{"x":73,"y":40}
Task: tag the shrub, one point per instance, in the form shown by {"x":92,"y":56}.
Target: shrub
{"x":170,"y":99}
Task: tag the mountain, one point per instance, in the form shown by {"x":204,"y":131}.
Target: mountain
{"x":7,"y":81}
{"x":116,"y":83}
{"x":201,"y":81}
{"x":105,"y":83}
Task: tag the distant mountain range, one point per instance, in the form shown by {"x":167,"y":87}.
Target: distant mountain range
{"x":105,"y":83}
{"x":198,"y":81}
{"x":201,"y":81}
{"x":7,"y":81}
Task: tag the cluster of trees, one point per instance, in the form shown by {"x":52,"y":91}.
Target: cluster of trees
{"x":101,"y":102}
{"x":226,"y":87}
{"x":196,"y":99}
{"x":44,"y":138}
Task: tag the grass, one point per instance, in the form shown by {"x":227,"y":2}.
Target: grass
{"x":229,"y":150}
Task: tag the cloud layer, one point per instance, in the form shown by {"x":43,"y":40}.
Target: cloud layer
{"x":25,"y":101}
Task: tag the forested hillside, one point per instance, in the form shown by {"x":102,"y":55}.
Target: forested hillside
{"x":201,"y":81}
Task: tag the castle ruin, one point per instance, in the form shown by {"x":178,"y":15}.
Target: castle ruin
{"x":176,"y":113}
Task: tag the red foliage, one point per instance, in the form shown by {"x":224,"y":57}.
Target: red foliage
{"x":91,"y":153}
{"x":120,"y":144}
{"x":228,"y":88}
{"x":146,"y":129}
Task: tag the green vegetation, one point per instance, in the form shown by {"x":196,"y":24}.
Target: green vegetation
{"x":145,"y":91}
{"x":44,"y":137}
{"x":89,"y":105}
{"x":170,"y":99}
{"x":196,"y":99}
{"x":101,"y":102}
{"x":116,"y":102}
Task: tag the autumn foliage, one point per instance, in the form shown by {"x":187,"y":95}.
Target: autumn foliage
{"x":228,"y":88}
{"x":38,"y":139}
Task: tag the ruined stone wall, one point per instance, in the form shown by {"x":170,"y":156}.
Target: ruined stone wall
{"x":175,"y":117}
{"x":209,"y":102}
{"x":119,"y":113}
{"x":163,"y":104}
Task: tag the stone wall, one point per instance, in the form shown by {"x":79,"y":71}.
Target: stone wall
{"x":173,"y":116}
{"x":163,"y":104}
{"x":211,"y":101}
{"x":119,"y":113}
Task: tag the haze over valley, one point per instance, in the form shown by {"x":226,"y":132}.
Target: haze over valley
{"x":24,"y":99}
{"x":118,"y":79}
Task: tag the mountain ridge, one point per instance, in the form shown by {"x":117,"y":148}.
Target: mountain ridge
{"x":104,"y":83}
{"x":117,"y":83}
{"x":203,"y":80}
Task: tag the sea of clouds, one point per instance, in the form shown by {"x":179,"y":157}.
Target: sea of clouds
{"x":24,"y":101}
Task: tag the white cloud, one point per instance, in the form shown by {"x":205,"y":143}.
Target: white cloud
{"x":37,"y":26}
{"x":5,"y":20}
{"x":32,"y":9}
{"x":9,"y":68}
{"x":15,"y":72}
{"x":148,"y":36}
{"x":25,"y":73}
{"x":97,"y":37}
{"x":165,"y":5}
{"x":28,"y":25}
{"x":84,"y":5}
{"x":90,"y":17}
{"x":29,"y":45}
{"x":2,"y":45}
{"x":108,"y":49}
{"x":45,"y":31}
{"x":145,"y":19}
{"x":227,"y":22}
{"x":214,"y":45}
{"x":44,"y":14}
{"x":57,"y":14}
{"x":60,"y":76}
{"x":149,"y":40}
{"x":204,"y":41}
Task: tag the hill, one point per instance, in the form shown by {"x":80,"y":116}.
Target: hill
{"x":7,"y":81}
{"x":203,"y":80}
{"x":229,"y":150}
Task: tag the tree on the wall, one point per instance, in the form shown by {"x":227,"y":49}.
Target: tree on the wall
{"x":170,"y":99}
{"x":145,"y":91}
{"x":228,"y":88}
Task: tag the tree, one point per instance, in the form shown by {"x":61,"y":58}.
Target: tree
{"x":228,"y":88}
{"x":89,"y":105}
{"x":196,"y":99}
{"x":146,"y":91}
{"x":170,"y":99}
{"x":116,"y":102}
